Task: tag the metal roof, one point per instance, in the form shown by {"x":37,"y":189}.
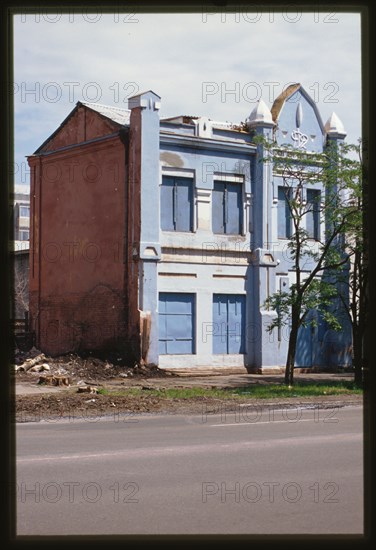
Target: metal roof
{"x":121,"y":117}
{"x":116,"y":114}
{"x":187,"y":119}
{"x":290,"y":90}
{"x":280,"y":100}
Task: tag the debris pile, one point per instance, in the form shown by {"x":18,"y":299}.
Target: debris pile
{"x":87,"y":389}
{"x":76,"y":369}
{"x":33,"y":364}
{"x":54,"y":380}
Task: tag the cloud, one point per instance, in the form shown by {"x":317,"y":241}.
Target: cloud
{"x":244,"y":55}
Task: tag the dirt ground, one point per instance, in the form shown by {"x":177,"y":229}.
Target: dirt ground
{"x":35,"y":402}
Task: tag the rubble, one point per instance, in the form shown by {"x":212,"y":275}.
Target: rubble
{"x":39,"y":368}
{"x":87,"y":389}
{"x":19,"y":368}
{"x":31,"y":362}
{"x":53,"y":380}
{"x":78,"y":368}
{"x":22,"y":356}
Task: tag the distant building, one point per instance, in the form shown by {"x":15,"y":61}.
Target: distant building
{"x":20,"y":213}
{"x":19,"y":234}
{"x":19,"y":264}
{"x":163,"y":237}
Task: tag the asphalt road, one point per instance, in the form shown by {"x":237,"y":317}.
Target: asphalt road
{"x":244,"y":471}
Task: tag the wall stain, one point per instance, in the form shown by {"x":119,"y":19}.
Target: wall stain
{"x":172,"y":159}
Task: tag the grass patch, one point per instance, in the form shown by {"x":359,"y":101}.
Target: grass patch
{"x":254,"y":391}
{"x":169,"y":393}
{"x":299,"y":390}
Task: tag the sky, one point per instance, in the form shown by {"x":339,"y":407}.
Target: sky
{"x":204,"y":64}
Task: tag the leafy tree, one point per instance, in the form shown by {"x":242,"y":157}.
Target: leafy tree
{"x":326,"y":258}
{"x":352,"y":288}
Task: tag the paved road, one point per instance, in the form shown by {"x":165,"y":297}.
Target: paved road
{"x":244,"y":471}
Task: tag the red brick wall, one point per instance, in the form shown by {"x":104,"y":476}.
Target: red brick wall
{"x":83,"y":125}
{"x":77,"y":295}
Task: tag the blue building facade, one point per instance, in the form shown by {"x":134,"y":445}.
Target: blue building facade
{"x":168,"y":235}
{"x":214,"y":234}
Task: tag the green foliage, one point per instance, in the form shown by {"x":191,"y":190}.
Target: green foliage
{"x":299,"y":389}
{"x":318,"y":296}
{"x":338,"y":172}
{"x":254,"y":391}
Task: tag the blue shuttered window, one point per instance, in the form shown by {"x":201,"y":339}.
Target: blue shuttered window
{"x":229,"y":323}
{"x":227,"y":212}
{"x":313,"y":213}
{"x":176,"y":204}
{"x":176,"y":323}
{"x":284,"y":215}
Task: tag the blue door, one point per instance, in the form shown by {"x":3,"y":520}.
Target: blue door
{"x":176,"y":323}
{"x":303,"y":355}
{"x":229,"y":323}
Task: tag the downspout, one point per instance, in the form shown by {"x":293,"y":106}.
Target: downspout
{"x":39,"y":246}
{"x":124,"y":137}
{"x":267,"y":244}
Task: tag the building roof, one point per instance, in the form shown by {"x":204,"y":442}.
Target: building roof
{"x":189,"y":119}
{"x":279,"y":102}
{"x":144,"y":93}
{"x":182,"y":119}
{"x":121,"y":117}
{"x":116,"y":114}
{"x":290,"y":90}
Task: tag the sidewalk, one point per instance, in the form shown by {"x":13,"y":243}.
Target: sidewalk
{"x":35,"y":402}
{"x":184,"y":381}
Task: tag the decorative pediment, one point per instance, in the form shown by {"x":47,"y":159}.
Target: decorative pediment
{"x":298,"y":121}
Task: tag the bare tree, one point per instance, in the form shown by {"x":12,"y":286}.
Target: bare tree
{"x":21,"y":290}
